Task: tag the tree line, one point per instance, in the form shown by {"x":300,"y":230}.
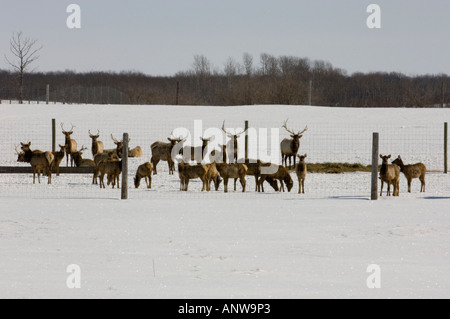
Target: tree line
{"x":267,"y":80}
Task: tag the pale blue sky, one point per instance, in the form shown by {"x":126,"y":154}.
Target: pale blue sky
{"x":160,"y":37}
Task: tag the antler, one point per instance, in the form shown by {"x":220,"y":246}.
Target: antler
{"x":286,"y":128}
{"x":15,"y":147}
{"x":306,"y":128}
{"x":231,"y":134}
{"x":292,"y":131}
{"x":92,"y":135}
{"x":115,"y":140}
{"x":64,"y":131}
{"x":223,"y":129}
{"x":83,"y":148}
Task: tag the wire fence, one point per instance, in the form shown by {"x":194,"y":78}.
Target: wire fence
{"x":322,"y":142}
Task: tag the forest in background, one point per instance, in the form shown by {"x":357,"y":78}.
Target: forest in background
{"x":269,"y":80}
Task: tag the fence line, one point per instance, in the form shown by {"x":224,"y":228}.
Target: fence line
{"x":329,"y":143}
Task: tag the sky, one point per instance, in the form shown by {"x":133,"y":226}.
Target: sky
{"x":161,"y":37}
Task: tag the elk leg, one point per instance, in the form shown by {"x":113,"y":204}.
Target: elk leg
{"x":381,"y":192}
{"x":235,"y":180}
{"x":243,"y":183}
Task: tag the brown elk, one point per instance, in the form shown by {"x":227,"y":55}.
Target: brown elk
{"x":234,"y":142}
{"x":281,"y":174}
{"x":163,"y":152}
{"x":412,"y":171}
{"x":39,"y":161}
{"x":102,"y":157}
{"x":228,"y":171}
{"x":59,"y":156}
{"x":389,"y":174}
{"x":213,"y":176}
{"x":71,"y":144}
{"x":97,"y":146}
{"x":187,"y":172}
{"x":135,"y":152}
{"x":80,"y":161}
{"x":254,"y":169}
{"x":301,"y":171}
{"x":290,"y":146}
{"x":144,"y":171}
{"x":111,"y":168}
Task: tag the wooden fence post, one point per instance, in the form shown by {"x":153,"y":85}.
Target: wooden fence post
{"x":53,"y":135}
{"x":47,"y":94}
{"x":375,"y":154}
{"x":125,"y":167}
{"x":445,"y":146}
{"x":246,"y":141}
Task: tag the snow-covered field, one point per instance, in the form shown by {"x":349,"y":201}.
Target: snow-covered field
{"x":165,"y":244}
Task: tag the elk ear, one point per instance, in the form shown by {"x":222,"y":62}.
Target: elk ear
{"x":306,"y":155}
{"x":292,"y":136}
{"x":389,"y":156}
{"x":381,"y":156}
{"x":399,"y":157}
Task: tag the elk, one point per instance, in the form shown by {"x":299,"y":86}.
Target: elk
{"x":301,"y":171}
{"x":389,"y":174}
{"x":234,"y":143}
{"x":39,"y":161}
{"x":71,"y":144}
{"x":144,"y":171}
{"x":102,"y":157}
{"x":59,"y":156}
{"x":281,"y":174}
{"x":289,"y":146}
{"x":80,"y":161}
{"x":228,"y":171}
{"x":135,"y":152}
{"x":213,"y":176}
{"x":111,"y":168}
{"x":195,"y":151}
{"x":412,"y":171}
{"x":254,"y":169}
{"x":163,"y":152}
{"x":97,"y":146}
{"x":187,"y":172}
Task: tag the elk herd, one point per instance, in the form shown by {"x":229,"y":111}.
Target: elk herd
{"x":221,"y":167}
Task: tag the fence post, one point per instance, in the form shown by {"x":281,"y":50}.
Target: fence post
{"x":125,"y":167}
{"x":246,"y":141}
{"x":47,"y":94}
{"x":445,"y":146}
{"x":53,"y":135}
{"x":375,"y":153}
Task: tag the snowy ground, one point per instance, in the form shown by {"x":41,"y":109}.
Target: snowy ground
{"x":165,"y":244}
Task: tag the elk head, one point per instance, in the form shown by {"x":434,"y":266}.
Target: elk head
{"x":20,"y":155}
{"x":295,"y":136}
{"x":25,"y":147}
{"x":235,"y":139}
{"x":67,"y":133}
{"x":94,"y":137}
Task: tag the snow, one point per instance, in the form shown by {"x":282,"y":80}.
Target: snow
{"x":166,"y":244}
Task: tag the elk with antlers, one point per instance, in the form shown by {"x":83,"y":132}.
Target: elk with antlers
{"x":39,"y":161}
{"x":71,"y":144}
{"x":80,"y":161}
{"x":97,"y":146}
{"x":290,"y":146}
{"x":163,"y":152}
{"x":135,"y":152}
{"x":234,"y":143}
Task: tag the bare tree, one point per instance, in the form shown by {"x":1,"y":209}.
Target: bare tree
{"x":24,"y":51}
